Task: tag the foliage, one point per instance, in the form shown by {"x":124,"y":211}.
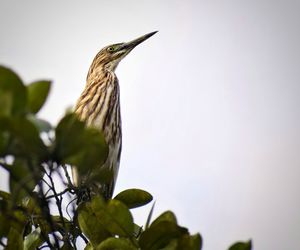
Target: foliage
{"x":32,"y":152}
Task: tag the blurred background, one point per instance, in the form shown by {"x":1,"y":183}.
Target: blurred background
{"x":210,"y":104}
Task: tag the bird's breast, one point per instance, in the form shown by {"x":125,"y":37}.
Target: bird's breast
{"x":99,"y":106}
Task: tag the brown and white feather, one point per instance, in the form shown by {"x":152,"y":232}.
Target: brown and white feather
{"x":99,"y":107}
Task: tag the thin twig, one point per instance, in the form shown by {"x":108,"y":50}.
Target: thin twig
{"x":67,"y":175}
{"x":44,"y":205}
{"x":43,"y":180}
{"x":58,"y":194}
{"x":2,"y":244}
{"x":84,"y":238}
{"x":29,"y":191}
{"x":67,"y":208}
{"x":58,"y":198}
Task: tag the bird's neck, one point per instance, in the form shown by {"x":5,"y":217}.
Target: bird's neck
{"x":99,"y":73}
{"x":111,"y":66}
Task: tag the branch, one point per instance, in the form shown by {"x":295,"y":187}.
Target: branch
{"x":58,"y":194}
{"x":2,"y":244}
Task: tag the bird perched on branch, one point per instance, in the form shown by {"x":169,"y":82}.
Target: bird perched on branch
{"x":99,"y":107}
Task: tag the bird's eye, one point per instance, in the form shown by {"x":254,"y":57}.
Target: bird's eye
{"x":111,"y":49}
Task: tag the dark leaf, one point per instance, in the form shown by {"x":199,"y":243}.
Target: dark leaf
{"x":6,"y":102}
{"x":93,"y":153}
{"x":173,"y":245}
{"x":190,"y":242}
{"x":76,"y":145}
{"x":31,"y":204}
{"x":159,"y":235}
{"x":4,"y":225}
{"x":41,"y":125}
{"x":18,"y":222}
{"x":4,"y":195}
{"x":67,"y":246}
{"x":116,"y":244}
{"x":5,"y":133}
{"x":166,"y":216}
{"x":114,"y":216}
{"x":37,"y":95}
{"x":89,"y":247}
{"x":90,"y":225}
{"x":33,"y":240}
{"x":137,"y":231}
{"x":241,"y":246}
{"x":102,"y":175}
{"x":61,"y":223}
{"x":13,"y":93}
{"x":14,"y":240}
{"x":68,"y":136}
{"x":21,"y":180}
{"x":25,"y":139}
{"x":133,"y":198}
{"x":5,"y":202}
{"x":48,"y":227}
{"x":4,"y":139}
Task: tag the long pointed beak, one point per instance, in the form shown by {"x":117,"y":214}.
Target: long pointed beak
{"x":130,"y":45}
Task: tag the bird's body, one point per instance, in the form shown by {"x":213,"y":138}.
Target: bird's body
{"x":99,"y":107}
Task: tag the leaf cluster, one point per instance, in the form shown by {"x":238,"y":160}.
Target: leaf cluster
{"x":32,"y":151}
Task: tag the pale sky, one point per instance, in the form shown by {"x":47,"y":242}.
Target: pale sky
{"x":210,"y":104}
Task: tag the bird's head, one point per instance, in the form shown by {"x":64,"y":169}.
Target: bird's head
{"x":110,"y":56}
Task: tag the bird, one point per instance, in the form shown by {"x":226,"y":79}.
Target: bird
{"x":99,"y":107}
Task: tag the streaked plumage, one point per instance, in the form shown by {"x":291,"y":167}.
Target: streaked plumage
{"x":99,"y":107}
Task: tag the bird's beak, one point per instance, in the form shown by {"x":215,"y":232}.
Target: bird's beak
{"x":130,"y":45}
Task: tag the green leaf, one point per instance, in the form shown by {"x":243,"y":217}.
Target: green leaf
{"x":101,"y":175}
{"x":40,"y":124}
{"x":17,"y":225}
{"x":37,"y":95}
{"x":90,"y":225}
{"x":159,"y":235}
{"x":67,"y":246}
{"x":137,"y":230}
{"x":4,"y":140}
{"x":21,"y":180}
{"x":25,"y":139}
{"x":133,"y":198}
{"x":190,"y":242}
{"x":31,"y":204}
{"x":13,"y":93}
{"x":14,"y":240}
{"x":56,"y":224}
{"x":5,"y":209}
{"x":114,"y":216}
{"x":173,"y":245}
{"x":76,"y":145}
{"x":33,"y":240}
{"x":4,"y":195}
{"x":89,"y":246}
{"x":61,"y":223}
{"x":166,"y":216}
{"x":241,"y":246}
{"x":5,"y":127}
{"x":6,"y":103}
{"x":93,"y":153}
{"x":116,"y":244}
{"x":68,"y":136}
{"x":4,"y":225}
